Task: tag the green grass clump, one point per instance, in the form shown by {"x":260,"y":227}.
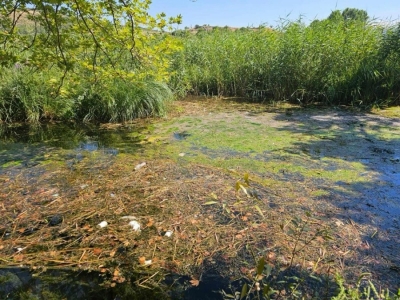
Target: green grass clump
{"x":30,"y":95}
{"x":120,"y":100}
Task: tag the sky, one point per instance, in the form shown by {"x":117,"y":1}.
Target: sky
{"x":243,"y":13}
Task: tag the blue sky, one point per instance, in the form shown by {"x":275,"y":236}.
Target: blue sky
{"x":242,"y":13}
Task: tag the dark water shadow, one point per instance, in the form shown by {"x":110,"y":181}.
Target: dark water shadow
{"x":24,"y":147}
{"x":373,"y":202}
{"x":217,"y":279}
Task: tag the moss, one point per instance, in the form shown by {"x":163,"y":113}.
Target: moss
{"x":390,"y":112}
{"x":319,"y":193}
{"x":12,"y":163}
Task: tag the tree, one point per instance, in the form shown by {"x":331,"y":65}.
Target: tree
{"x":349,"y":14}
{"x":355,"y":14}
{"x":105,"y":38}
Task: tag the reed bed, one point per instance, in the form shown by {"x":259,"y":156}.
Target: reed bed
{"x":330,"y":62}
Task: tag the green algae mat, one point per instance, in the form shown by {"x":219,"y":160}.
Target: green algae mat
{"x":276,"y":201}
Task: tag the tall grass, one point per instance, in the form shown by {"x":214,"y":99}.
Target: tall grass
{"x":121,"y":100}
{"x":333,"y":62}
{"x":26,"y":95}
{"x":29,"y":95}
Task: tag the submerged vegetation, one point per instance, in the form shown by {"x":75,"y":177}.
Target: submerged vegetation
{"x":262,"y":204}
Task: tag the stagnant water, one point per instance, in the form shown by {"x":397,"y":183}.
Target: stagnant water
{"x":24,"y":147}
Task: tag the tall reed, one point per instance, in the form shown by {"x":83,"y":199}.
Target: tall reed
{"x":328,"y":61}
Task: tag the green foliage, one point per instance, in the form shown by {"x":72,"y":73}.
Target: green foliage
{"x":330,"y":62}
{"x":93,"y":35}
{"x":363,"y":290}
{"x":33,"y":96}
{"x":119,"y":100}
{"x":95,"y":59}
{"x":66,"y":49}
{"x":349,"y":14}
{"x":299,"y":230}
{"x":29,"y":96}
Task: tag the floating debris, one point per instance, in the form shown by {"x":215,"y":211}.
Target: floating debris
{"x":139,"y":166}
{"x":168,"y":233}
{"x":135,"y":225}
{"x":102,"y":224}
{"x":128,"y":218}
{"x":148,"y":262}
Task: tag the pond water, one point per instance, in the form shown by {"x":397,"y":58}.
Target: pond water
{"x":24,"y":147}
{"x":324,"y":162}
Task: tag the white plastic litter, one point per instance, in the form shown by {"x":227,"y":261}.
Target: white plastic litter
{"x":182,"y":154}
{"x":168,"y":233}
{"x":131,"y":218}
{"x":140,"y":166}
{"x":135,"y":225}
{"x":147,"y":262}
{"x":102,"y":224}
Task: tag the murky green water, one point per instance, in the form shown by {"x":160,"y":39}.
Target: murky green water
{"x":350,"y":162}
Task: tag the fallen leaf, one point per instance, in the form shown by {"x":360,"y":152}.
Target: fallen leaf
{"x":271,"y":256}
{"x":194,"y":282}
{"x":97,"y":251}
{"x":19,"y":257}
{"x":150,"y":222}
{"x":210,"y":203}
{"x":86,"y":227}
{"x":116,"y":273}
{"x":142,"y":260}
{"x":259,"y":210}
